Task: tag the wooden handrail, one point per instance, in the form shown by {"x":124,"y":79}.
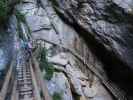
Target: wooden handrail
{"x":34,"y":81}
{"x":14,"y":95}
{"x":4,"y":89}
{"x":40,"y":79}
{"x":112,"y":88}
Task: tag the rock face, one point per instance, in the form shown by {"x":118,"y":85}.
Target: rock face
{"x":81,"y":85}
{"x":109,"y":22}
{"x":68,"y":80}
{"x":107,"y":26}
{"x":60,"y":84}
{"x":102,"y":30}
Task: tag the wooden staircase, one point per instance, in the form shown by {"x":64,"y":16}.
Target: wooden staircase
{"x":28,"y":82}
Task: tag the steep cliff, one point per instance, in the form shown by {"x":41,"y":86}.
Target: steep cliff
{"x":65,"y":59}
{"x":107,"y":26}
{"x":83,"y":47}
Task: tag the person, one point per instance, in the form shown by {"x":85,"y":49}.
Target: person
{"x":23,"y":44}
{"x":27,"y":46}
{"x":29,"y":49}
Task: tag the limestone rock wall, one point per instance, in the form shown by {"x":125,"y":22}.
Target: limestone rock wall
{"x":107,"y":27}
{"x":71,"y":79}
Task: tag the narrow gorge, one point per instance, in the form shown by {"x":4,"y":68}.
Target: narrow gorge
{"x":66,"y":49}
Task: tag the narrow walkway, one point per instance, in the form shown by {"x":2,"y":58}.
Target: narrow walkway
{"x":25,"y":90}
{"x":23,"y":80}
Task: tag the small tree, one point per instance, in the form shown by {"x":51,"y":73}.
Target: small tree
{"x":4,"y":9}
{"x":57,"y":96}
{"x":45,"y":65}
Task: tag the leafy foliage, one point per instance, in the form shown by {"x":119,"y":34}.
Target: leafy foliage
{"x":57,"y":96}
{"x":21,"y":18}
{"x":4,"y":9}
{"x":41,"y":93}
{"x":54,"y":2}
{"x":45,"y":65}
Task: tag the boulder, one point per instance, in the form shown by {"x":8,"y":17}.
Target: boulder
{"x":59,"y":84}
{"x":60,"y":59}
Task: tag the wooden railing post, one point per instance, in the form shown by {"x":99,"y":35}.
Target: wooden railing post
{"x":40,"y":79}
{"x":4,"y":89}
{"x":34,"y":81}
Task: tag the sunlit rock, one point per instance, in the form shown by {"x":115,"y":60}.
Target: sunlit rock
{"x":60,"y":84}
{"x":59,"y":59}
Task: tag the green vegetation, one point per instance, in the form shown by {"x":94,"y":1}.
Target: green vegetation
{"x":4,"y":10}
{"x":115,"y":16}
{"x":21,"y":18}
{"x":77,"y":97}
{"x":57,"y":96}
{"x":41,"y":94}
{"x":54,"y":2}
{"x":45,"y":65}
